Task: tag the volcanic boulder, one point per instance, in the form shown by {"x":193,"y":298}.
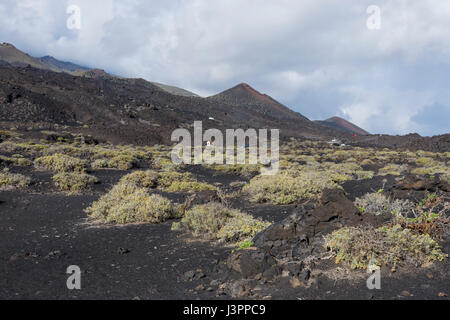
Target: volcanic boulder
{"x":285,"y":247}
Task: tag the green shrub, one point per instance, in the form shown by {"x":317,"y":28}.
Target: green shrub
{"x":206,"y":220}
{"x":185,"y":186}
{"x":100,"y":164}
{"x":363,"y":247}
{"x":170,"y":181}
{"x":241,"y":227}
{"x":425,"y":161}
{"x":142,"y":179}
{"x":61,"y":163}
{"x":288,"y":187}
{"x":392,"y":169}
{"x":214,"y":221}
{"x":74,"y":181}
{"x":245,"y":245}
{"x":6,"y":134}
{"x":114,"y":159}
{"x":16,"y":160}
{"x":127,"y":203}
{"x":122,"y":162}
{"x":378,"y":204}
{"x":340,"y":172}
{"x":167,"y":178}
{"x":437,"y":168}
{"x":11,"y":180}
{"x":245,"y":170}
{"x":163,"y":163}
{"x":429,"y":217}
{"x":367,"y":162}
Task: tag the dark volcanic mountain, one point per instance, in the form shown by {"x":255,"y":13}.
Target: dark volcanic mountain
{"x":246,"y":97}
{"x":9,"y":54}
{"x":15,"y":57}
{"x":124,"y":110}
{"x":62,"y":65}
{"x":344,"y":125}
{"x":175,"y":90}
{"x":36,"y":94}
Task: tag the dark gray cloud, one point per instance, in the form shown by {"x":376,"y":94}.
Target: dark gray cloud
{"x":317,"y":57}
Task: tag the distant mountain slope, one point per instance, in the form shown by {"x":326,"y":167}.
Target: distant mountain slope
{"x":344,"y":125}
{"x":15,"y":57}
{"x":11,"y":55}
{"x":123,"y":110}
{"x":61,"y":65}
{"x":175,"y":90}
{"x":245,"y":96}
{"x":93,"y":73}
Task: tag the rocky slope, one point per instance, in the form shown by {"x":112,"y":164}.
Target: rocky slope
{"x":41,"y":93}
{"x":124,"y":110}
{"x":344,"y":125}
{"x":245,"y":96}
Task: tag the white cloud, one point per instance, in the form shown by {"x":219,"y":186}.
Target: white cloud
{"x":385,"y":109}
{"x":304,"y":53}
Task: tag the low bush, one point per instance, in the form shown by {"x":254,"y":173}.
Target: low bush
{"x":163,"y":163}
{"x":340,"y":172}
{"x":122,"y":162}
{"x":429,"y":217}
{"x":214,"y":221}
{"x":206,"y":220}
{"x":142,"y":179}
{"x":167,"y":178}
{"x":392,"y":169}
{"x":241,"y":227}
{"x":359,"y":248}
{"x":245,"y":170}
{"x":127,"y":203}
{"x":367,"y":162}
{"x":74,"y":181}
{"x":378,"y":204}
{"x":12,"y":180}
{"x":61,"y":163}
{"x":437,"y":168}
{"x":189,"y":186}
{"x":100,"y":164}
{"x":170,"y":181}
{"x":288,"y":187}
{"x":425,"y":161}
{"x":16,"y":160}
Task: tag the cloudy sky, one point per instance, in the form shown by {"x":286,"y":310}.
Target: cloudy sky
{"x":318,"y":57}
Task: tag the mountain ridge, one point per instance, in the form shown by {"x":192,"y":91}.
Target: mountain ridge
{"x":246,"y":96}
{"x":343,"y":125}
{"x":15,"y":57}
{"x":121,"y":110}
{"x":242,"y":95}
{"x":135,"y":111}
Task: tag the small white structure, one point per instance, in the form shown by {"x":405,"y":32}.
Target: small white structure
{"x":335,"y":142}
